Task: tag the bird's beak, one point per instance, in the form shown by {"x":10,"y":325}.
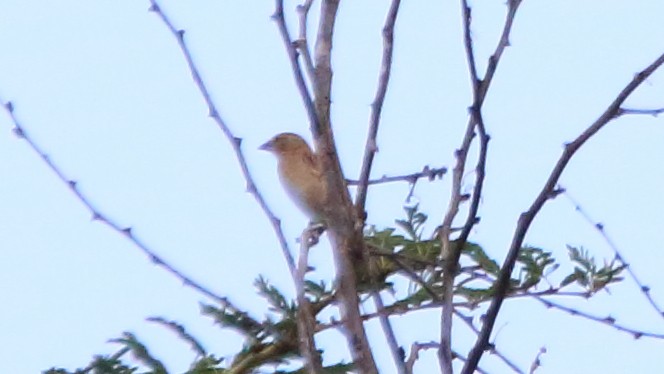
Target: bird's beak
{"x":268,"y":146}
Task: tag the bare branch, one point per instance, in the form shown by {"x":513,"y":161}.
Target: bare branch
{"x":452,"y":255}
{"x":377,"y":106}
{"x":536,"y":362}
{"x":414,"y":355}
{"x":426,"y":172}
{"x":345,"y":232}
{"x":469,"y":322}
{"x":652,"y":112}
{"x":479,"y":88}
{"x":384,"y":318}
{"x":306,"y":322}
{"x":608,"y":320}
{"x":291,"y":50}
{"x":527,"y":217}
{"x":600,"y":227}
{"x":302,"y":42}
{"x":97,"y":215}
{"x":462,"y":358}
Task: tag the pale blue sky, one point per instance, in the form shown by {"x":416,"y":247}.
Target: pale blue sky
{"x":102,"y":87}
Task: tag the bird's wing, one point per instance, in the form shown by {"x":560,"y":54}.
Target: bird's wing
{"x":312,"y":160}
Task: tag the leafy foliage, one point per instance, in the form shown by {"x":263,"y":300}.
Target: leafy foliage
{"x":398,"y":255}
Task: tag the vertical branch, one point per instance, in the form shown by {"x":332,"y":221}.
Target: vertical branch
{"x":369,"y":153}
{"x":452,"y":255}
{"x":548,"y":190}
{"x":291,"y":50}
{"x":377,"y":106}
{"x":345,"y":230}
{"x":302,"y":42}
{"x":323,"y":71}
{"x":476,"y":121}
{"x":306,"y":322}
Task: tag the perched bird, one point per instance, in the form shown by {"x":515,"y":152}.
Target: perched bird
{"x":301,"y":174}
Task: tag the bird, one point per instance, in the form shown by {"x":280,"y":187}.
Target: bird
{"x":301,"y":174}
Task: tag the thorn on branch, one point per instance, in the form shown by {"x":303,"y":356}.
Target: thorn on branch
{"x":154,"y":8}
{"x":19,"y":133}
{"x":157,"y":261}
{"x":9,"y":106}
{"x":72,"y":184}
{"x":557,"y":191}
{"x":127,"y":231}
{"x":181,"y":34}
{"x":237,"y":141}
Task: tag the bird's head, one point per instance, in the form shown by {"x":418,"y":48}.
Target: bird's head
{"x":285,"y":143}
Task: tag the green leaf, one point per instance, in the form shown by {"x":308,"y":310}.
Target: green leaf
{"x":140,"y":352}
{"x":180,"y":331}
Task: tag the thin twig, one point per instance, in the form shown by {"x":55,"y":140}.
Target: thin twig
{"x":426,"y":172}
{"x":236,"y":142}
{"x":377,"y":106}
{"x":97,"y":215}
{"x":469,"y":322}
{"x":546,"y":192}
{"x":651,"y":112}
{"x":479,"y":89}
{"x":306,"y":322}
{"x":395,"y":349}
{"x":608,"y":320}
{"x":414,"y":355}
{"x":291,"y":50}
{"x":302,"y":41}
{"x":450,"y":254}
{"x":537,"y":361}
{"x":600,"y":228}
{"x":463,"y":358}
